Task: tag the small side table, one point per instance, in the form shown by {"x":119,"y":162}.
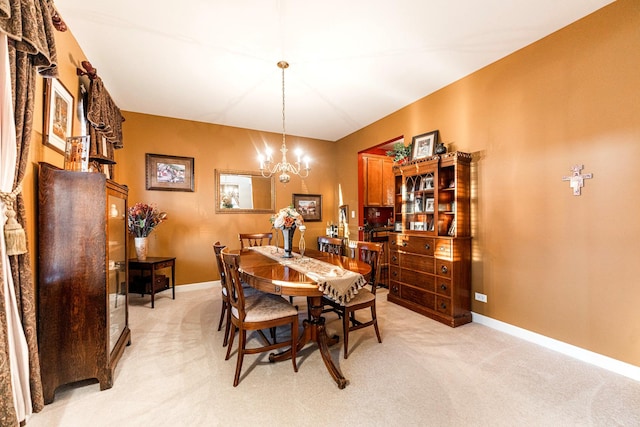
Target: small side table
{"x":150,"y":284}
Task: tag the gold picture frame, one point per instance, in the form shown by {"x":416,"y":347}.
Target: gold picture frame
{"x":169,"y":173}
{"x":309,"y":206}
{"x":58,"y":115}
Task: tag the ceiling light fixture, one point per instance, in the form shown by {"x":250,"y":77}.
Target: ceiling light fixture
{"x":284,"y":168}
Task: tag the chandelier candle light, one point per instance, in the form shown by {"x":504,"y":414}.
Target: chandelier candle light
{"x":284,"y":168}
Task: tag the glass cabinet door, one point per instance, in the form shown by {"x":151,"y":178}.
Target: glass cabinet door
{"x":117,"y":268}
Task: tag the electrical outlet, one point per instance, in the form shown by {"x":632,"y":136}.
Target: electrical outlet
{"x":481,"y":297}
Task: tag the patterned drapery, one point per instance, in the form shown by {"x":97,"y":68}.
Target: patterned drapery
{"x":31,"y":48}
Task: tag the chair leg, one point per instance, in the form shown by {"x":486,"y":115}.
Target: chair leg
{"x":231,"y":336}
{"x":227,"y":328}
{"x":222,"y":313}
{"x":294,"y":343}
{"x":345,"y":328}
{"x":375,"y":322}
{"x":242,"y":337}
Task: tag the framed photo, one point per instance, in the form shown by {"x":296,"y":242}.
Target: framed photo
{"x":169,"y":173}
{"x":427,"y":183}
{"x":424,"y":144}
{"x":309,"y":206}
{"x":429,"y":205}
{"x":343,"y":214}
{"x":58,"y":115}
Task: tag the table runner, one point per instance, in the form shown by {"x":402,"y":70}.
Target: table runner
{"x":336,"y":283}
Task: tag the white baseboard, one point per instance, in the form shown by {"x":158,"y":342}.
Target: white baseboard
{"x":197,"y":286}
{"x":617,"y":366}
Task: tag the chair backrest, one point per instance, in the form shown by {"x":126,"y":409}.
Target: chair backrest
{"x":371,"y":253}
{"x":254,"y":239}
{"x":332,"y":245}
{"x":217,"y":249}
{"x":234,"y":285}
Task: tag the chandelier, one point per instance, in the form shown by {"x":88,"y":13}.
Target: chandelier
{"x":284,"y":168}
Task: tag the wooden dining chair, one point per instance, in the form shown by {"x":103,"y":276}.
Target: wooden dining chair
{"x":256,"y":312}
{"x":254,"y":239}
{"x":370,"y":253}
{"x":225,"y":311}
{"x":332,"y":245}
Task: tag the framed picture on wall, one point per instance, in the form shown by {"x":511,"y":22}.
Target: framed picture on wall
{"x":58,"y":115}
{"x":309,"y":206}
{"x":169,"y":173}
{"x":424,"y":144}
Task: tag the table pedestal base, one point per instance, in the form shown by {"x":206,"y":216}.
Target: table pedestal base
{"x":314,"y":330}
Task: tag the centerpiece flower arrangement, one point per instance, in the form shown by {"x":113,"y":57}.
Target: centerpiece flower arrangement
{"x":287,"y":219}
{"x":142,"y":219}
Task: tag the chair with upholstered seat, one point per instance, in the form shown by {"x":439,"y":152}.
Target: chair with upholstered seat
{"x":255,"y":312}
{"x":332,"y":245}
{"x":254,"y":239}
{"x":225,"y":311}
{"x":370,"y":253}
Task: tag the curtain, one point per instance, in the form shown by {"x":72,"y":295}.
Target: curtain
{"x":28,"y":47}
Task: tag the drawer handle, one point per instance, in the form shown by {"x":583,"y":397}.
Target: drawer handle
{"x":394,"y":258}
{"x":444,"y":269}
{"x":443,"y":287}
{"x":395,"y":274}
{"x":427,"y":246}
{"x":404,"y":243}
{"x":443,"y":306}
{"x":393,"y":243}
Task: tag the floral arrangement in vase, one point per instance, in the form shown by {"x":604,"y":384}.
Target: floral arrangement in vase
{"x":287,"y":218}
{"x":142,"y":219}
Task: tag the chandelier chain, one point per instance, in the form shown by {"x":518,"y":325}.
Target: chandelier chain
{"x":283,"y":167}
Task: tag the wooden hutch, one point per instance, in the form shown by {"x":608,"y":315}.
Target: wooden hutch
{"x":430,"y":255}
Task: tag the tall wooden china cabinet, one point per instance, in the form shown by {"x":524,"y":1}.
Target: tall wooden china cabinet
{"x":82,"y":287}
{"x":430,"y":257}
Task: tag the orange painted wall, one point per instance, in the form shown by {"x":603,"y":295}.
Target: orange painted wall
{"x":550,"y":262}
{"x":193,"y":225}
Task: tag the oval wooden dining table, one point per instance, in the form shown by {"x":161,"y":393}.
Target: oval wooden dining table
{"x":271,"y":275}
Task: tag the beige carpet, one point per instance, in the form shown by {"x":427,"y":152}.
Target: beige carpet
{"x":423,"y":374}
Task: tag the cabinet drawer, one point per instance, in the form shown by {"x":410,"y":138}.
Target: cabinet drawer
{"x":417,"y":262}
{"x":420,"y":280}
{"x":394,"y":258}
{"x":163,"y":265}
{"x":394,"y":288}
{"x":443,"y":305}
{"x":444,"y":249}
{"x":443,"y":286}
{"x":394,"y":273}
{"x":443,"y":268}
{"x":418,"y":296}
{"x":419,"y":245}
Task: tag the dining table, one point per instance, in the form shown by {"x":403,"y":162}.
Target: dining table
{"x":312,"y":275}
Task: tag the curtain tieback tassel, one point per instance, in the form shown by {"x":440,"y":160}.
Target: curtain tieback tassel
{"x":14,"y":234}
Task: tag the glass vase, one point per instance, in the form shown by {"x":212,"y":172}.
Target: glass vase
{"x":287,"y":237}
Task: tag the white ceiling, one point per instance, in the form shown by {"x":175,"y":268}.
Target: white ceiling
{"x":352,"y":62}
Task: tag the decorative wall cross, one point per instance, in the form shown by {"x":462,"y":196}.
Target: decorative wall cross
{"x":576,"y":181}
